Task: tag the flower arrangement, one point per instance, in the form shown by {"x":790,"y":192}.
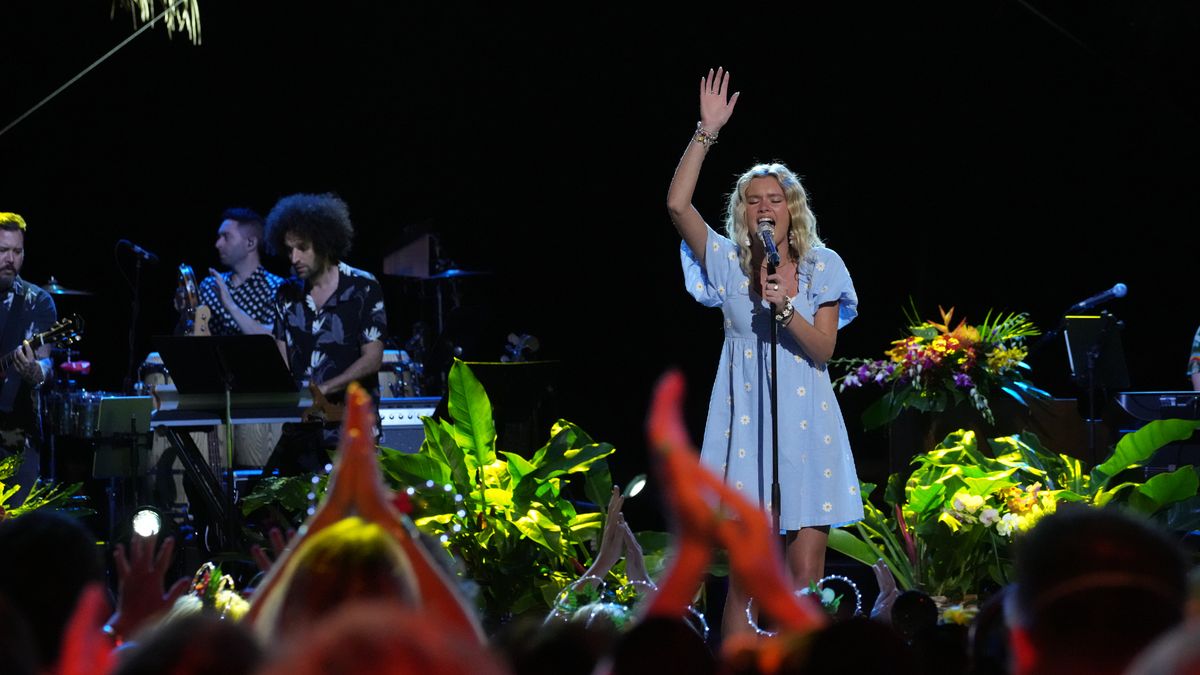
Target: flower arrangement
{"x":937,"y":366}
{"x":948,"y":529}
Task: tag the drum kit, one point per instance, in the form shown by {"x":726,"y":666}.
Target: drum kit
{"x":67,"y":408}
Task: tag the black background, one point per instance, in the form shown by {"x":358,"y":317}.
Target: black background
{"x":992,"y":154}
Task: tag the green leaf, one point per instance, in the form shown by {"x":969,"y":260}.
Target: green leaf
{"x":1163,"y":489}
{"x":518,"y":466}
{"x":881,"y":412}
{"x":1136,"y":447}
{"x":469,"y":407}
{"x":846,"y":543}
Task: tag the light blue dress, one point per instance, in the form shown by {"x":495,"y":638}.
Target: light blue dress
{"x":818,"y":481}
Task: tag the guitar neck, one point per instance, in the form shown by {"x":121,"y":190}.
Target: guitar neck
{"x":7,"y":360}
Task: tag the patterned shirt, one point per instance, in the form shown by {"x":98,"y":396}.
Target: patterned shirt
{"x":37,"y":316}
{"x":1194,"y":361}
{"x":254,"y":296}
{"x":323,"y":342}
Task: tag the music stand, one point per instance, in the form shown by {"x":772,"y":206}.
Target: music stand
{"x":1097,"y":359}
{"x":224,"y":365}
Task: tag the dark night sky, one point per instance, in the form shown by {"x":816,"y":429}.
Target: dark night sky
{"x":974,"y":155}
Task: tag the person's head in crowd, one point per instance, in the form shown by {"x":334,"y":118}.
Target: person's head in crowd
{"x":987,"y":638}
{"x":197,"y":644}
{"x":1093,"y":587}
{"x":381,"y":637}
{"x":913,"y":612}
{"x":660,"y":644}
{"x":534,"y":646}
{"x":349,"y":559}
{"x":46,"y":559}
{"x":16,"y":642}
{"x":857,"y":645}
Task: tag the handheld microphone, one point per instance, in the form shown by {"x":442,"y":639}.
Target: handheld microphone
{"x":138,"y":251}
{"x":766,"y":232}
{"x":1117,"y":291}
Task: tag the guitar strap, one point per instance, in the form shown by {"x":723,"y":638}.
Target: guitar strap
{"x":12,"y":335}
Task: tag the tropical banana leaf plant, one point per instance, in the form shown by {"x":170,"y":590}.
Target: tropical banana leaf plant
{"x":512,"y":524}
{"x":948,"y":529}
{"x":43,"y":494}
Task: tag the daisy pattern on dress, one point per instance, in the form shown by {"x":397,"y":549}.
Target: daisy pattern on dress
{"x":720,"y":290}
{"x":749,"y":353}
{"x":716,"y":246}
{"x":853,"y":489}
{"x":741,"y":452}
{"x":727,"y":433}
{"x":803,"y":424}
{"x":732,"y":255}
{"x":801,"y":391}
{"x":824,"y":405}
{"x":828,"y":439}
{"x":820,"y":265}
{"x":738,"y":485}
{"x":747,"y":386}
{"x":827,"y":507}
{"x":745,"y":420}
{"x":828,"y":473}
{"x":699,"y":286}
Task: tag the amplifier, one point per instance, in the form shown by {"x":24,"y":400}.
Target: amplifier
{"x":400,"y":419}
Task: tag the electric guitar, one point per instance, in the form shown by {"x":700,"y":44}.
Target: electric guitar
{"x":321,"y":409}
{"x":65,"y":331}
{"x":193,"y":316}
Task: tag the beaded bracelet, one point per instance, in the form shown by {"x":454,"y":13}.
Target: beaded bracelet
{"x":784,"y":317}
{"x":704,"y":136}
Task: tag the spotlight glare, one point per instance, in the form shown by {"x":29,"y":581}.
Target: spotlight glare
{"x":146,"y":522}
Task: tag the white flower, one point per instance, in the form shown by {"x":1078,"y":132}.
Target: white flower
{"x":720,"y":290}
{"x":312,"y":304}
{"x":732,"y":255}
{"x":741,"y":452}
{"x":827,"y":507}
{"x":824,"y":405}
{"x":824,"y":288}
{"x":1007,"y":525}
{"x":745,"y":284}
{"x":371,"y":334}
{"x":738,"y":485}
{"x":745,"y":420}
{"x":828,"y":439}
{"x":820,"y":266}
{"x":749,"y":353}
{"x":747,"y":386}
{"x":716,"y":246}
{"x":828,"y":473}
{"x":728,"y":400}
{"x":853,"y":489}
{"x":988,"y":517}
{"x":727,"y":433}
{"x":729,"y":323}
{"x":801,"y":391}
{"x":803,"y":424}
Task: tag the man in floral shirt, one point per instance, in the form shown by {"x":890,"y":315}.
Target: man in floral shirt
{"x":329,"y":320}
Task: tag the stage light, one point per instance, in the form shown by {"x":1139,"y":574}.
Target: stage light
{"x":635,"y":486}
{"x":146,"y":521}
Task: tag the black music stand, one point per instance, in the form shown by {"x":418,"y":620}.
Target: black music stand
{"x":221,"y":366}
{"x":1097,"y":360}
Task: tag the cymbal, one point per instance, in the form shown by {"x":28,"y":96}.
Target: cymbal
{"x":54,"y":288}
{"x":453,"y":273}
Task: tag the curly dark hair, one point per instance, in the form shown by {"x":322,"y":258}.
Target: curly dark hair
{"x":322,"y":219}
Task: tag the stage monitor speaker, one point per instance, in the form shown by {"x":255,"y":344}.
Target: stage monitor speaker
{"x":401,"y":425}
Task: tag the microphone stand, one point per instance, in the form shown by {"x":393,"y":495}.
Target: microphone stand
{"x":137,"y":285}
{"x":775,"y":491}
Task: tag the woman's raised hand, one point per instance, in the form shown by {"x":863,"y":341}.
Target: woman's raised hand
{"x":715,"y":103}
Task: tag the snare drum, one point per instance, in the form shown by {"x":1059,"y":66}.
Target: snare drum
{"x":58,"y":412}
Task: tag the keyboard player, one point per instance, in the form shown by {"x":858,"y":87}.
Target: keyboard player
{"x":329,"y":318}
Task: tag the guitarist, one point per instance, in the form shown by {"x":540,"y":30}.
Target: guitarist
{"x":329,"y":318}
{"x":25,"y":310}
